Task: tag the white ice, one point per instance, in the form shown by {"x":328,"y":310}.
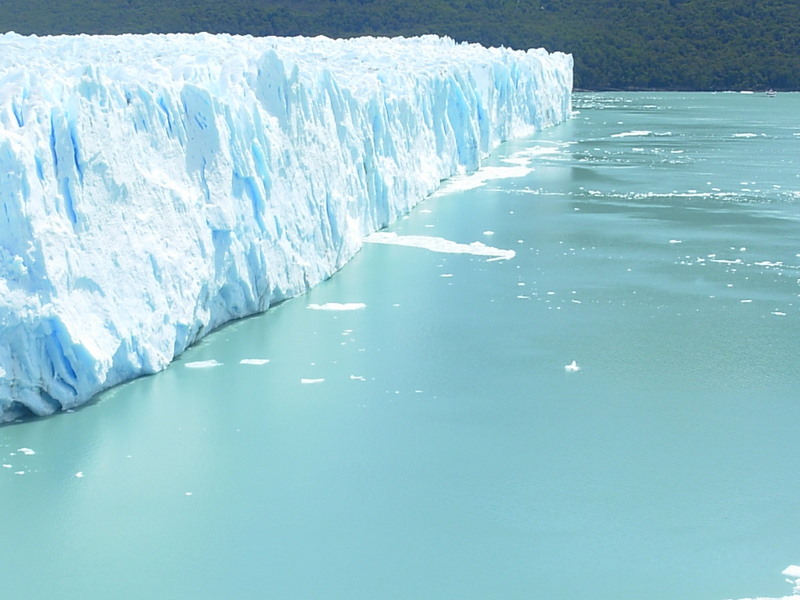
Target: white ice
{"x":438,"y":244}
{"x":338,"y":306}
{"x":155,"y":187}
{"x":635,"y":133}
{"x":203,"y":364}
{"x":482,"y":177}
{"x":792,"y":574}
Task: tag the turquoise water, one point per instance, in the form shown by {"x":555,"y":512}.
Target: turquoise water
{"x":431,"y":444}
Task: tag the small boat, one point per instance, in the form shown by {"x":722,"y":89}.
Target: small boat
{"x":771,"y":93}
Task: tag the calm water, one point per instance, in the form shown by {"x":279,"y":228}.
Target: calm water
{"x":431,"y":444}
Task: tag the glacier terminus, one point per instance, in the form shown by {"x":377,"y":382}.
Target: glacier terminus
{"x":155,"y":187}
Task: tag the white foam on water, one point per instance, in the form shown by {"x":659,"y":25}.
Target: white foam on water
{"x":203,"y":364}
{"x":438,"y":244}
{"x":338,"y":306}
{"x":254,"y":361}
{"x":306,"y":380}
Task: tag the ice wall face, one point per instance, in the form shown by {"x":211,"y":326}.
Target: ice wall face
{"x":155,"y":187}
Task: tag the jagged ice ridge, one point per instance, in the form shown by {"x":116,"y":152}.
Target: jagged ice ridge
{"x":155,"y":187}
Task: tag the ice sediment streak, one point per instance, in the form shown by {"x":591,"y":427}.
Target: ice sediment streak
{"x":155,"y":187}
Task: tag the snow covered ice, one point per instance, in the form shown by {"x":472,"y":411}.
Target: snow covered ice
{"x":155,"y":187}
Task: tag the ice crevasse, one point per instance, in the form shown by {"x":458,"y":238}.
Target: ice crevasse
{"x":155,"y":187}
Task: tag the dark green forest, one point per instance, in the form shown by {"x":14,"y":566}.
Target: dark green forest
{"x":617,"y":44}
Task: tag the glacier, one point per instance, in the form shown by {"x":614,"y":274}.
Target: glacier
{"x":154,"y":187}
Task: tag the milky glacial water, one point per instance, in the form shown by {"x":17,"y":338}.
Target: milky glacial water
{"x":409,"y":430}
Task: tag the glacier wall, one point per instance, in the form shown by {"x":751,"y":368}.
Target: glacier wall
{"x":155,"y":187}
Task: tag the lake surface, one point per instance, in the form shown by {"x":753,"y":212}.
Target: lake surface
{"x":415,"y":433}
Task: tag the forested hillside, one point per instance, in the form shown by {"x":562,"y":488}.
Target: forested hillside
{"x":617,"y":44}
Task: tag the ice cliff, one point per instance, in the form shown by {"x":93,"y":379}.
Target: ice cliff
{"x":155,"y":187}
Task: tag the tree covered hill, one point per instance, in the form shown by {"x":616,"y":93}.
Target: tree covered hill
{"x":617,"y":44}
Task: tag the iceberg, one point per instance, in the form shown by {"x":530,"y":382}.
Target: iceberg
{"x":154,"y":187}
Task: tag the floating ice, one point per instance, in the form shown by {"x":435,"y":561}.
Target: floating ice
{"x":155,"y":187}
{"x":635,"y":133}
{"x":767,"y":263}
{"x":481,"y":177}
{"x":203,"y":364}
{"x":338,"y":306}
{"x":526,"y":157}
{"x":438,"y":244}
{"x":792,"y":573}
{"x":254,"y":361}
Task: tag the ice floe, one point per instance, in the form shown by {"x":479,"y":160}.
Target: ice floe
{"x":338,"y":306}
{"x":438,"y":244}
{"x":203,"y":364}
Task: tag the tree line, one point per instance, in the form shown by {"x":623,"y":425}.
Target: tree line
{"x":616,"y":44}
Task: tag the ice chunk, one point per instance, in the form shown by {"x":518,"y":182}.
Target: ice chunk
{"x":438,"y":244}
{"x":792,"y":571}
{"x":338,"y":306}
{"x":254,"y":361}
{"x":203,"y":364}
